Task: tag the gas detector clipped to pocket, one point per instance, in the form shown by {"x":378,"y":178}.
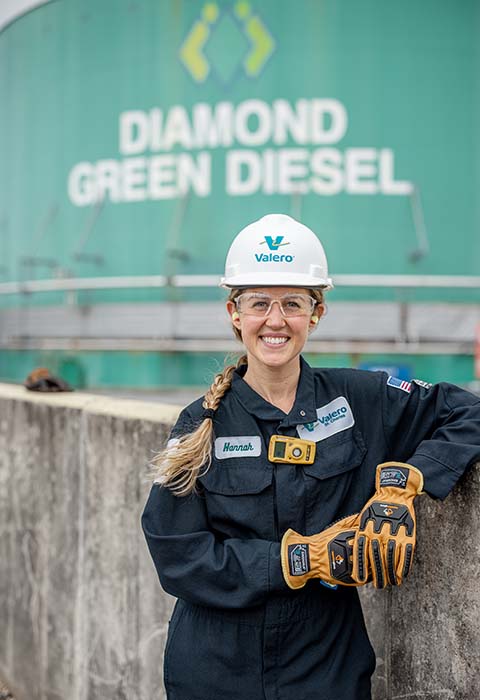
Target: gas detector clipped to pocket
{"x":290,"y":450}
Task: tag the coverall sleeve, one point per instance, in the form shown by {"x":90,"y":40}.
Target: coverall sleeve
{"x":436,"y":429}
{"x":193,"y":564}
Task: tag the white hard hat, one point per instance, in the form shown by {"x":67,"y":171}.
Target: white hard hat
{"x":276,"y":251}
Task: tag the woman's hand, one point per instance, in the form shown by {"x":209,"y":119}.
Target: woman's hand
{"x":326,"y":555}
{"x":385,"y":539}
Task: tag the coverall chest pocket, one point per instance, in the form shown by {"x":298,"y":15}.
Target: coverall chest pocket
{"x":239,"y":498}
{"x":334,"y":482}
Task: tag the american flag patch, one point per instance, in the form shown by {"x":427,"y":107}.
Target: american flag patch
{"x":400,"y":384}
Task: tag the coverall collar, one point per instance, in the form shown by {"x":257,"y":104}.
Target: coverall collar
{"x":303,"y":410}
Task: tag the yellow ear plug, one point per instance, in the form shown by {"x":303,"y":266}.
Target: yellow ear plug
{"x":314,"y":319}
{"x":235,"y":315}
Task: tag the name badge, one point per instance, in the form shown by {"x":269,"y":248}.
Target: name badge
{"x":238,"y":446}
{"x":331,"y":419}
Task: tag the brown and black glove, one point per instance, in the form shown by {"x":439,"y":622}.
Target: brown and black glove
{"x":327,"y":555}
{"x":385,"y":540}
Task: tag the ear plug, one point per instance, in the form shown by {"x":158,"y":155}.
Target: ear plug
{"x":235,"y":315}
{"x":314,"y":319}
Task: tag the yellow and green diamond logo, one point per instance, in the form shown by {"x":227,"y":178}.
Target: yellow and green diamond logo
{"x":226,"y":41}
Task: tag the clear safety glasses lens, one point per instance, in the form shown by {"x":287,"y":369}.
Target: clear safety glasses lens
{"x":256,"y":304}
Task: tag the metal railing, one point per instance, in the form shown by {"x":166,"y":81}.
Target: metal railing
{"x":161,"y":281}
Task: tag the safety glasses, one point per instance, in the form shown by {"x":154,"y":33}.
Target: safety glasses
{"x":259,"y":304}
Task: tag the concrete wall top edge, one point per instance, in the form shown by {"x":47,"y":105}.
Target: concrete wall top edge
{"x":90,"y":403}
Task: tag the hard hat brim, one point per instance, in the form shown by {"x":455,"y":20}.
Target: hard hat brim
{"x":275,"y":279}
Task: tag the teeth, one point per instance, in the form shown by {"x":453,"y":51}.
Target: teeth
{"x":273,"y":340}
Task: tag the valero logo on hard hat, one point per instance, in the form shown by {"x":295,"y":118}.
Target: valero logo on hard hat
{"x":305,"y":265}
{"x":273,"y":244}
{"x":273,"y":257}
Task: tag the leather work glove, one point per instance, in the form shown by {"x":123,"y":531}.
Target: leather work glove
{"x":385,"y":540}
{"x":326,"y":555}
{"x":42,"y":380}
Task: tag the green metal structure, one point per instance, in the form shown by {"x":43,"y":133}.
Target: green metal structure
{"x":138,"y":137}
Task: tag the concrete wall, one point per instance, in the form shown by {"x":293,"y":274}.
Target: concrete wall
{"x":82,"y":616}
{"x":81,"y":612}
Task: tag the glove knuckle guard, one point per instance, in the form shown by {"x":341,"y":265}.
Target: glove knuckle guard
{"x":360,"y":565}
{"x":391,"y":562}
{"x":340,"y":557}
{"x":377,"y":566}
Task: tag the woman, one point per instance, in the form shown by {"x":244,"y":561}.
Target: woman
{"x":238,"y":521}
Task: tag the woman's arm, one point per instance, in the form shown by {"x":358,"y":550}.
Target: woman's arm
{"x":192,"y":564}
{"x":434,"y":428}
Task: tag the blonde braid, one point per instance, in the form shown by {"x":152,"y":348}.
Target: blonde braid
{"x":178,"y":466}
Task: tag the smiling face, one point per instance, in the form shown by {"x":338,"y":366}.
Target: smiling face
{"x":273,"y":340}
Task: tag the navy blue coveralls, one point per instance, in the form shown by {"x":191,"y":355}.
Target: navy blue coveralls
{"x":237,"y":631}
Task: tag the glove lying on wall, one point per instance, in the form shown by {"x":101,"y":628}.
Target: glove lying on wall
{"x":385,"y":541}
{"x":41,"y":379}
{"x":327,"y":555}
